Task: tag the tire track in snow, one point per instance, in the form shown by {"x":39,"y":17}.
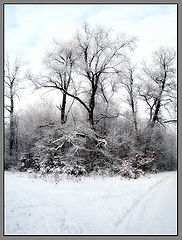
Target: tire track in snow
{"x":156,"y":213}
{"x":142,"y":196}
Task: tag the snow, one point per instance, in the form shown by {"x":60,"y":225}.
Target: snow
{"x":91,"y":206}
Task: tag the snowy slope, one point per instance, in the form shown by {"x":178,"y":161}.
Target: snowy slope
{"x":91,"y":206}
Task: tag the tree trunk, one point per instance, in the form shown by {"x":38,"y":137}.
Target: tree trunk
{"x":155,"y":117}
{"x":92,"y":103}
{"x":11,"y":144}
{"x":91,"y":118}
{"x":12,"y":125}
{"x":63,"y":105}
{"x":63,"y":109}
{"x":134,"y":115}
{"x":156,"y":113}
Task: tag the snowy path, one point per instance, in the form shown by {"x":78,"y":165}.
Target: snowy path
{"x":91,"y":206}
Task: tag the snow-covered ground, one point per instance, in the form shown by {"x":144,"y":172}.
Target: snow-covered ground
{"x":91,"y":206}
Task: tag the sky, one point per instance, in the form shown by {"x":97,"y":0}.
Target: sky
{"x":30,"y":28}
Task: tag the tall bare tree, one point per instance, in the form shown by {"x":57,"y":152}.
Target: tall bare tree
{"x":101,"y":56}
{"x":159,"y":86}
{"x":12,"y":86}
{"x":59,"y":64}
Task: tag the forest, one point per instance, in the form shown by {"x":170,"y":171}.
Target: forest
{"x":114,"y":114}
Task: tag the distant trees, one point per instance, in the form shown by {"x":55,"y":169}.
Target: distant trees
{"x":39,"y":116}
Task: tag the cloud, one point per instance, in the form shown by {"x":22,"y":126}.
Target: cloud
{"x":154,"y":25}
{"x":36,"y":25}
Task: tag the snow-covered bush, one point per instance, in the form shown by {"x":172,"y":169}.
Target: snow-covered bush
{"x":128,"y":170}
{"x":75,"y":148}
{"x":75,"y":170}
{"x":158,"y":140}
{"x":137,"y":166}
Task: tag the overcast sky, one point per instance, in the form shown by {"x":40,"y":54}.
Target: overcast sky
{"x":29,"y":29}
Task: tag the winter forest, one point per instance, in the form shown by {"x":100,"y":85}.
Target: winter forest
{"x":88,"y":133}
{"x":100,"y":111}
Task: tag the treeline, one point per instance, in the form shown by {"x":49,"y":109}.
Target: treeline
{"x":89,"y":132}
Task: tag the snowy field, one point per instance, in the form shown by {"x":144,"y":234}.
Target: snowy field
{"x":91,"y":206}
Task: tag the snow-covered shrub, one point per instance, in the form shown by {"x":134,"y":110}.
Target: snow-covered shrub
{"x":129,"y":171}
{"x":71,"y":145}
{"x":145,"y":162}
{"x":137,"y":166}
{"x":157,"y":140}
{"x":75,"y":170}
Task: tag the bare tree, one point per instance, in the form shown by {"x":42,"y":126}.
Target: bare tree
{"x":101,"y":56}
{"x":12,"y":86}
{"x":59,"y":64}
{"x":160,"y":85}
